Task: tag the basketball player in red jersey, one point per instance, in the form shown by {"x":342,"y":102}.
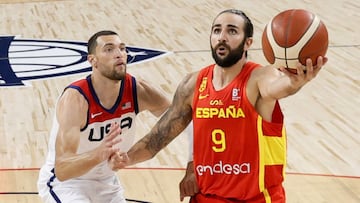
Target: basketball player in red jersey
{"x":95,"y":117}
{"x":239,"y":144}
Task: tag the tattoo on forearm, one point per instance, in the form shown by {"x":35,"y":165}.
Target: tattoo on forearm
{"x":171,"y":124}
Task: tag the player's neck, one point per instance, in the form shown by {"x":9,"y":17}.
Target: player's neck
{"x":223,"y":76}
{"x":106,"y":90}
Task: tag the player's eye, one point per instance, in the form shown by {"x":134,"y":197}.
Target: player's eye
{"x":216,"y":30}
{"x":109,"y":49}
{"x":232,"y":31}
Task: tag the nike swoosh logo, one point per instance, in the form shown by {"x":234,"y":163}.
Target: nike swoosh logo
{"x":93,"y":115}
{"x":203,"y":96}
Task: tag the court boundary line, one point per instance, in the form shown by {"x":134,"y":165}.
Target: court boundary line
{"x":182,"y":169}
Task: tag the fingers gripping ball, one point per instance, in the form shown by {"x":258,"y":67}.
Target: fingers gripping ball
{"x":294,"y":35}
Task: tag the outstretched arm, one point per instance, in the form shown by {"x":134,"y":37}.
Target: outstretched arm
{"x":151,"y":98}
{"x":171,"y":124}
{"x":276,"y":85}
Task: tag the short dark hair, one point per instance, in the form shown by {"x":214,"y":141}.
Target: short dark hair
{"x":249,"y":28}
{"x":92,"y":41}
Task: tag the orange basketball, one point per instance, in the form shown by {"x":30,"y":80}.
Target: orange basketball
{"x":294,"y":35}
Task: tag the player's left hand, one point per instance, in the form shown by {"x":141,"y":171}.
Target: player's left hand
{"x":118,"y":160}
{"x":188,"y":185}
{"x":304,"y":73}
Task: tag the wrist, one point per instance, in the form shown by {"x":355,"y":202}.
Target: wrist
{"x":190,"y":167}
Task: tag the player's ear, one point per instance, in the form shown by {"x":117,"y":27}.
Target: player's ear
{"x":248,"y":43}
{"x":92,"y":59}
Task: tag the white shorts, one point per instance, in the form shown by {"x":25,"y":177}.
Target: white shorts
{"x":82,"y":191}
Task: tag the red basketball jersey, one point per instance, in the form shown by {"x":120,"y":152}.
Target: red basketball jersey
{"x":237,"y":154}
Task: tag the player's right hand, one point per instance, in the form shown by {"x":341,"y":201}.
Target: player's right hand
{"x":107,"y":147}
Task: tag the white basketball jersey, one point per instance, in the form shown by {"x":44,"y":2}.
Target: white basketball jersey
{"x":99,"y":120}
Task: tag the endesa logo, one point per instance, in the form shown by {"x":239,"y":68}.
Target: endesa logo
{"x":24,"y":60}
{"x":221,"y":168}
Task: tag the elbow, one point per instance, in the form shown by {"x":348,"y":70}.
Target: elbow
{"x":59,"y":174}
{"x":60,"y":178}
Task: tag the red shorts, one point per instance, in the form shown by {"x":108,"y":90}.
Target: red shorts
{"x":276,"y":193}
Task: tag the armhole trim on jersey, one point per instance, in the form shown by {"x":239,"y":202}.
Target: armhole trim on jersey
{"x":134,"y":91}
{"x":87,"y":100}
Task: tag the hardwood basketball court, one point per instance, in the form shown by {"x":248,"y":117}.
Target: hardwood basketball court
{"x":322,"y":119}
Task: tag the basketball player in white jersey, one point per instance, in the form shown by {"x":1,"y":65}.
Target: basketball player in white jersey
{"x":95,"y":117}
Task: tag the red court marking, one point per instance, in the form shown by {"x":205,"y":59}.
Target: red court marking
{"x":181,"y":169}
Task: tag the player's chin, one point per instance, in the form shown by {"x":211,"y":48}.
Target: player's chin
{"x":117,"y":75}
{"x":120,"y":70}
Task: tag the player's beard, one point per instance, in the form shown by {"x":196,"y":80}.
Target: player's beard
{"x":233,"y":56}
{"x":115,"y":74}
